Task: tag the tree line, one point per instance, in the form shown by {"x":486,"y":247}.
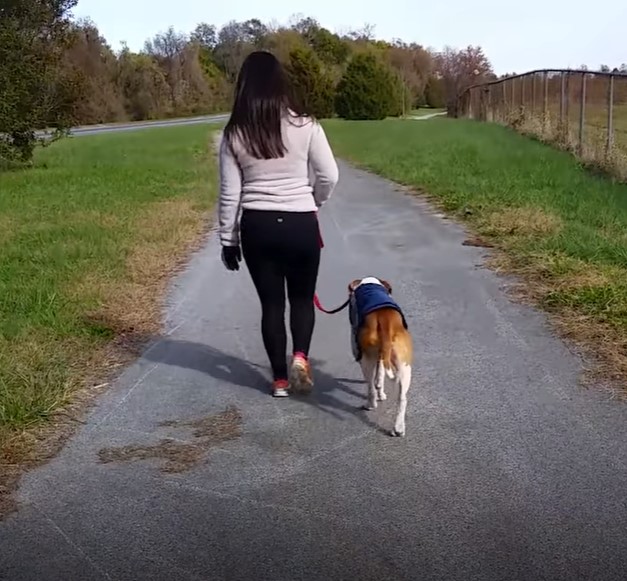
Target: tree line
{"x":57,"y":72}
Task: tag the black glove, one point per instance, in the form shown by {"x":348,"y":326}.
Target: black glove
{"x":231,"y":257}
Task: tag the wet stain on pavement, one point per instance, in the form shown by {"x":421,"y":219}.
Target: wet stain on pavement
{"x":178,"y":455}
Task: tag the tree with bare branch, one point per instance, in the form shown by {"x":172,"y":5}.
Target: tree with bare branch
{"x":459,"y":69}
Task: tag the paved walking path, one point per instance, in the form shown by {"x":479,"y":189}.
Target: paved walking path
{"x":510,"y":470}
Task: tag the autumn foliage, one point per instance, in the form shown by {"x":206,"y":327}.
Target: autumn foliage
{"x":73,"y":77}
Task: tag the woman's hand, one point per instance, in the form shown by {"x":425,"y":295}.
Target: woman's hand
{"x":231,"y":257}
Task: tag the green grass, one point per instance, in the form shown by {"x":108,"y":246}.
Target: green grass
{"x":558,"y":223}
{"x":85,"y":237}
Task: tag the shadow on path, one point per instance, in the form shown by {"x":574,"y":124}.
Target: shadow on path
{"x":235,"y":371}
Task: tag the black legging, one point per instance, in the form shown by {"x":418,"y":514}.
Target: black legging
{"x":280,"y":248}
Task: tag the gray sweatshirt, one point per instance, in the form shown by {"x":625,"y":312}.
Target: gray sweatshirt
{"x":301,"y":181}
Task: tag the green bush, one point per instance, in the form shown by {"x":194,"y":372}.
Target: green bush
{"x":35,"y":91}
{"x":368,"y":90}
{"x":311,"y":86}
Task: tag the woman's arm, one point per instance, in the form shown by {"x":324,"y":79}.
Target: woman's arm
{"x":322,"y":161}
{"x":230,"y":196}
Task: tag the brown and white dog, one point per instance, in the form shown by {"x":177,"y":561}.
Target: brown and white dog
{"x":381,"y":343}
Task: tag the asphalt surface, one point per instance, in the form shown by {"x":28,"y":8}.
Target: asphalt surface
{"x":427,"y":116}
{"x":203,"y":119}
{"x":137,"y":125}
{"x":510,"y":470}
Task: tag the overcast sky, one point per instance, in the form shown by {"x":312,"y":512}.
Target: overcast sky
{"x":517,"y":37}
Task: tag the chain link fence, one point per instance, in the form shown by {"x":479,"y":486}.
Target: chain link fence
{"x":581,"y":111}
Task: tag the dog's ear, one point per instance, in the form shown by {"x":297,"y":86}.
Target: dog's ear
{"x":353,"y":285}
{"x":387,"y":285}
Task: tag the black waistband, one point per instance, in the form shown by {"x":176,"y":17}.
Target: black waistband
{"x":275,"y":213}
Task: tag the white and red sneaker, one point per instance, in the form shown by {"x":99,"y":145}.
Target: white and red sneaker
{"x":280,"y":388}
{"x":301,"y":378}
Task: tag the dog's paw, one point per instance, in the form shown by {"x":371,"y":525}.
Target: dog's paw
{"x":382,"y":396}
{"x":396,"y":434}
{"x":368,"y":407}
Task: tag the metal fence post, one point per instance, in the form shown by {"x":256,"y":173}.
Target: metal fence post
{"x":481,"y":105}
{"x":545,"y":112}
{"x":567,"y":107}
{"x":504,"y":88}
{"x":562,"y":98}
{"x":582,"y":112}
{"x":513,"y":94}
{"x":610,"y":118}
{"x":490,"y":104}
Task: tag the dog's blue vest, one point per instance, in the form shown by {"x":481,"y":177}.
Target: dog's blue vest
{"x":366,"y":299}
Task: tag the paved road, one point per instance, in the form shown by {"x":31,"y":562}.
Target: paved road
{"x":509,"y":471}
{"x":134,"y":126}
{"x":427,"y":116}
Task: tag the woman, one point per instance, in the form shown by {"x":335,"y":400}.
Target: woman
{"x":269,"y":147}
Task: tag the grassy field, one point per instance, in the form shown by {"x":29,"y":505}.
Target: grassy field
{"x":562,"y":229}
{"x":86,"y":239}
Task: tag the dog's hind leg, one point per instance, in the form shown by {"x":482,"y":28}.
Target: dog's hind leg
{"x":369,"y":369}
{"x":404,"y":380}
{"x":380,"y":381}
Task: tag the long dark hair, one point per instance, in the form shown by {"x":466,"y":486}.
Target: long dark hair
{"x":263,"y":95}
